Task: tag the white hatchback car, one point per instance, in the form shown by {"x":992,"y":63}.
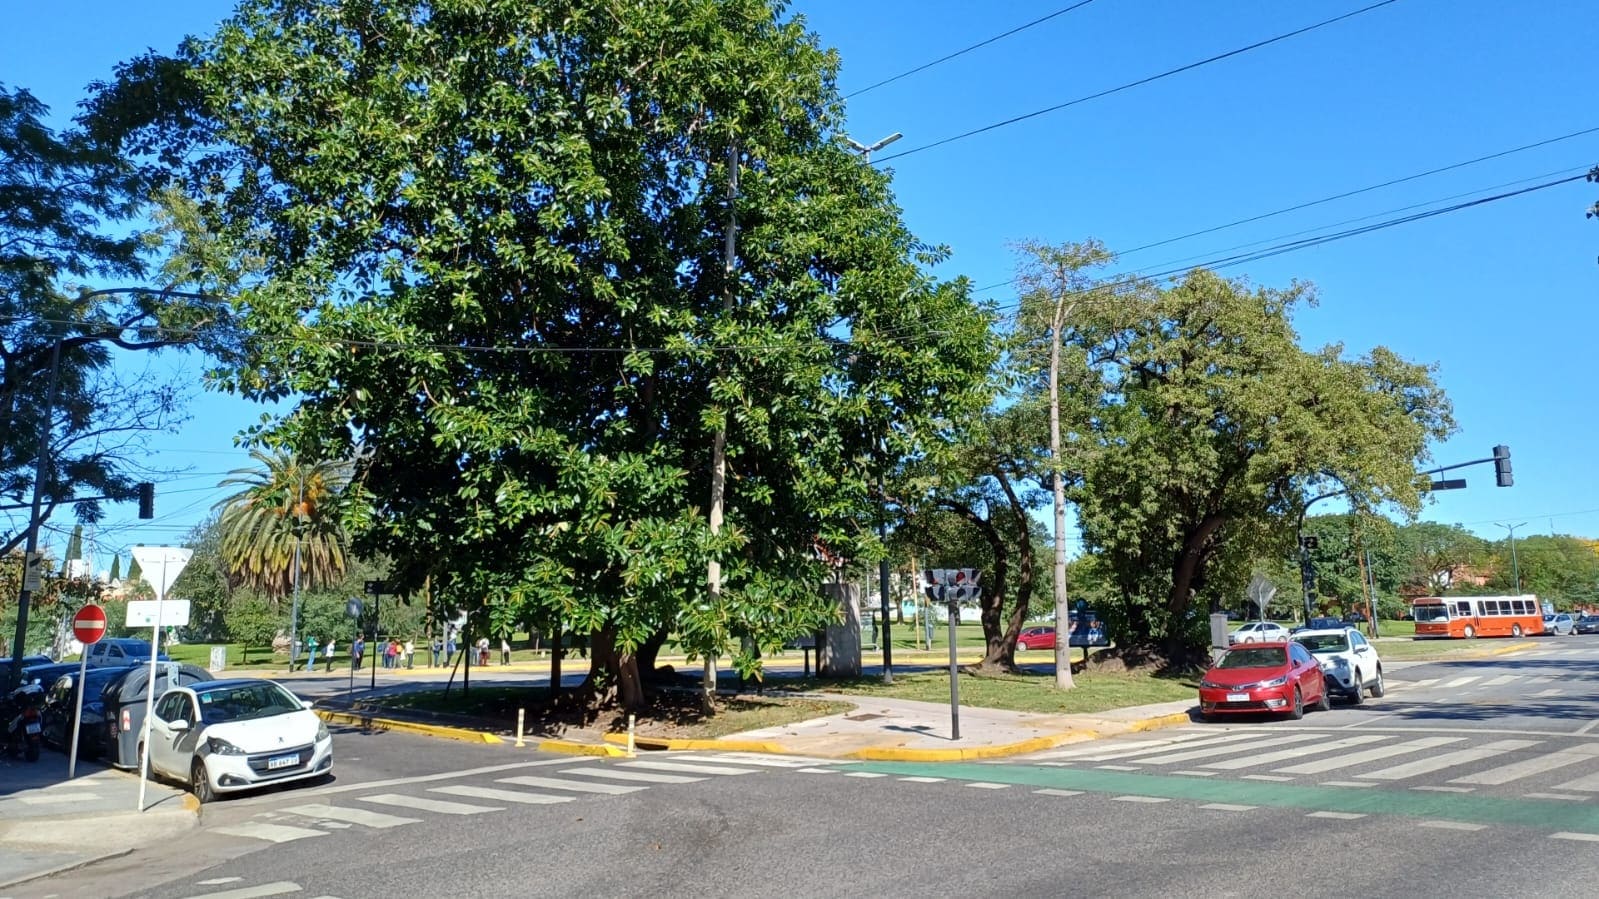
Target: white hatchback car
{"x":1348,"y":661}
{"x":1259,"y":632}
{"x":227,"y":735}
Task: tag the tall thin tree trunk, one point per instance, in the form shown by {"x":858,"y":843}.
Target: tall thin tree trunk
{"x":1063,"y":660}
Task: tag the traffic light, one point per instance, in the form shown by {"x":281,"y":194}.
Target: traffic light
{"x":1502,"y":466}
{"x":146,"y":500}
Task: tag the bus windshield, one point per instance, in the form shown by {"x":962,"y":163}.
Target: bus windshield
{"x":1431,"y":612}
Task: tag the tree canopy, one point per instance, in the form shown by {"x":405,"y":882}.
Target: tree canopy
{"x":490,"y":243}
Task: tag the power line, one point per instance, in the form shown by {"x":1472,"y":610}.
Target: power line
{"x":964,"y":50}
{"x":1140,"y":82}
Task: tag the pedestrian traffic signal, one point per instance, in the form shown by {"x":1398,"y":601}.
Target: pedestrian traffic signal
{"x":147,"y":500}
{"x":1502,"y":466}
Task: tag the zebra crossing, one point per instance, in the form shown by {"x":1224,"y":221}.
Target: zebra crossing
{"x":1533,"y":766}
{"x":384,"y":809}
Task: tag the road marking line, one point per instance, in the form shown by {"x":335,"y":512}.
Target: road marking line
{"x":1271,"y":777}
{"x":1051,"y":791}
{"x":985,"y":785}
{"x":1117,"y":767}
{"x":1283,"y":755}
{"x":1229,"y":807}
{"x":352,"y":815}
{"x":1148,"y":799}
{"x":272,"y":833}
{"x":1447,"y":789}
{"x":1539,"y":680}
{"x":500,"y":795}
{"x":1536,"y":765}
{"x":923,"y":780}
{"x":1337,"y":816}
{"x":1589,"y":726}
{"x":1567,"y":835}
{"x":430,"y":805}
{"x":1449,"y":760}
{"x":1345,"y":783}
{"x":1462,"y":681}
{"x":647,"y":778}
{"x":817,"y":770}
{"x":265,"y":889}
{"x":863,"y":774}
{"x":765,"y":760}
{"x":1452,"y":825}
{"x":1541,"y":694}
{"x":1198,"y":773}
{"x":403,"y":781}
{"x":687,"y":768}
{"x":576,"y":786}
{"x":1190,"y":755}
{"x":1426,"y":682}
{"x":1367,"y":755}
{"x":1565,"y":796}
{"x":217,"y":881}
{"x":1501,"y":679}
{"x":1090,"y":749}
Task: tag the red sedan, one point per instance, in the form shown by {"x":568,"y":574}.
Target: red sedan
{"x":1035,"y":638}
{"x":1279,"y":678}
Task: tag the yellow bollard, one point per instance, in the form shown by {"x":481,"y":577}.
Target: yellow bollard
{"x":520,"y":715}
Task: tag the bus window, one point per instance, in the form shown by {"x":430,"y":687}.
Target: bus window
{"x":1463,"y":608}
{"x":1430,"y":612}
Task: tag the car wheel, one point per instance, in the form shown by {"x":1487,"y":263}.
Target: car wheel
{"x":1298,"y":711}
{"x":1357,"y":693}
{"x":1469,"y":632}
{"x":1324,"y":702}
{"x":1020,"y":646}
{"x":1377,"y":688}
{"x":200,"y":782}
{"x":1515,"y":630}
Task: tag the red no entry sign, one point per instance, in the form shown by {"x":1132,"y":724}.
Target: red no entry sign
{"x":88,"y":625}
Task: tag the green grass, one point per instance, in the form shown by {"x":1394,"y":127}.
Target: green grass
{"x":1095,"y":691}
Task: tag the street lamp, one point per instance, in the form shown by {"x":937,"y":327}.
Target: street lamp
{"x":1515,"y":571}
{"x":865,"y":151}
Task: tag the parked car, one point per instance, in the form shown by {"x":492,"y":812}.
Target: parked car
{"x":61,"y":708}
{"x":44,"y":674}
{"x":118,"y":651}
{"x":1349,"y":662}
{"x":229,"y":735}
{"x":1587,"y":624}
{"x":1560,"y":625}
{"x":1258,"y":632}
{"x":120,"y":716}
{"x":1036,"y":638}
{"x":1355,"y":618}
{"x":1278,"y":678}
{"x":27,"y":662}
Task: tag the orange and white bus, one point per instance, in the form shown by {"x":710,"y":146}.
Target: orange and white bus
{"x":1477,"y":616}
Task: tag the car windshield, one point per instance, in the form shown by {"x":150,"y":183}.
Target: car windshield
{"x":1255,"y":657}
{"x":242,"y":702}
{"x":1431,"y":613}
{"x":1324,"y":642}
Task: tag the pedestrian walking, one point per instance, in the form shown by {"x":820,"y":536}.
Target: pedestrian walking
{"x":505,"y":651}
{"x":390,"y":652}
{"x":483,"y":651}
{"x":357,"y":650}
{"x":449,"y":649}
{"x":313,"y":645}
{"x":330,"y":654}
{"x":437,"y":647}
{"x":410,"y":649}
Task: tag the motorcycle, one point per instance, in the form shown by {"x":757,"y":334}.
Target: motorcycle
{"x":25,"y":726}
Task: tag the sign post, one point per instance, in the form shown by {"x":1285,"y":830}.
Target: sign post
{"x":88,"y":625}
{"x":952,"y":585}
{"x":161,"y":566}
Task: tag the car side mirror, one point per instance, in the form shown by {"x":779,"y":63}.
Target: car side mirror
{"x":179,"y":725}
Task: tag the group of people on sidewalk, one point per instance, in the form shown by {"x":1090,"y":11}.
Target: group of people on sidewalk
{"x":394,"y":654}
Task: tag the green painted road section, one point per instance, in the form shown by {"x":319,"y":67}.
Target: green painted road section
{"x":1542,"y":814}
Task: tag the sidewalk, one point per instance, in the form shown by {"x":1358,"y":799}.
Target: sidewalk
{"x":50,"y":824}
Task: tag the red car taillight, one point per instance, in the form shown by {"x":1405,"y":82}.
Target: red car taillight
{"x":127,"y":720}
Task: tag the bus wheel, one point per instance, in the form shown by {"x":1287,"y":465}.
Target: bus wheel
{"x":1469,"y":632}
{"x":1515,"y":630}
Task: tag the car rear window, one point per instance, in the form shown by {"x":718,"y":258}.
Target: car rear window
{"x":1255,"y":657}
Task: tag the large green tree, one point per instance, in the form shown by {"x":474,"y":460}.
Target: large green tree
{"x":493,"y":244}
{"x":1205,"y":426}
{"x":288,"y":511}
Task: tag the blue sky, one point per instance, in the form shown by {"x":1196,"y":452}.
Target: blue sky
{"x":1499,"y":296}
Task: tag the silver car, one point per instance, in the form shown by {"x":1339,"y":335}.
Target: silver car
{"x":1559,"y":625}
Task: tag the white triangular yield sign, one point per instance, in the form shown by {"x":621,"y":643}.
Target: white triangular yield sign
{"x":161,"y":565}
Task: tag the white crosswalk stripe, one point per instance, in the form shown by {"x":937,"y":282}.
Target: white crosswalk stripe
{"x":1462,"y":681}
{"x":272,"y":833}
{"x":1501,"y":679}
{"x":1211,"y":751}
{"x":1150,"y":747}
{"x":1448,"y":760}
{"x":364,"y":817}
{"x":686,"y":768}
{"x":517,"y":796}
{"x":1368,"y":755}
{"x":431,"y":805}
{"x":1094,"y":747}
{"x":764,"y":760}
{"x":1589,"y":784}
{"x":277,"y":888}
{"x":1528,"y":767}
{"x":576,"y":786}
{"x":632,"y":775}
{"x":1283,"y":755}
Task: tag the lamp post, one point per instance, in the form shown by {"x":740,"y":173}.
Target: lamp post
{"x":1515,"y":571}
{"x":867,"y":151}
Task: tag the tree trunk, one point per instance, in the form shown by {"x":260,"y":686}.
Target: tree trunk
{"x":556,"y":652}
{"x":613,"y":674}
{"x":648,"y":653}
{"x":1187,"y":566}
{"x":993,"y":595}
{"x":1001,"y":642}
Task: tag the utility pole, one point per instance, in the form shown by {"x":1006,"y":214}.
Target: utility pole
{"x":1515,"y":570}
{"x":713,"y":569}
{"x":41,"y":468}
{"x":1063,"y":661}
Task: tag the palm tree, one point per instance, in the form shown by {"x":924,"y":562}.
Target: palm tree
{"x":286,"y":504}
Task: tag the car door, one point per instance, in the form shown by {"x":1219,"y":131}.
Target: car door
{"x":1305,"y":671}
{"x":164,"y":738}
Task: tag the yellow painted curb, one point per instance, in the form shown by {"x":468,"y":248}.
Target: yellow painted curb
{"x":672,"y":743}
{"x":901,"y":754}
{"x":1172,"y":720}
{"x":1511,"y":648}
{"x":572,"y":748}
{"x":430,"y":730}
{"x":190,"y":803}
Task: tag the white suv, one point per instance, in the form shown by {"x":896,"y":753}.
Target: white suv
{"x":1348,"y":661}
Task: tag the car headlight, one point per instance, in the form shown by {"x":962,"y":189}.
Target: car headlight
{"x":1274,"y":682}
{"x":1210,"y":685}
{"x":321,"y":730}
{"x":219,"y":746}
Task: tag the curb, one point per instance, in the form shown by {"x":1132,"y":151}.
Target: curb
{"x":1514,"y":647}
{"x":1172,"y":720}
{"x":571,"y":747}
{"x":429,"y":730}
{"x":64,"y":868}
{"x":658,"y":744}
{"x":1036,"y":744}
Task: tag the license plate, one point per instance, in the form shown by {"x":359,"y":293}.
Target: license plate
{"x":282,"y":761}
{"x":32,"y":727}
{"x":1237,"y":697}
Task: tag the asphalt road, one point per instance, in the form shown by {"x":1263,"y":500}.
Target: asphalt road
{"x":1469,"y":779}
